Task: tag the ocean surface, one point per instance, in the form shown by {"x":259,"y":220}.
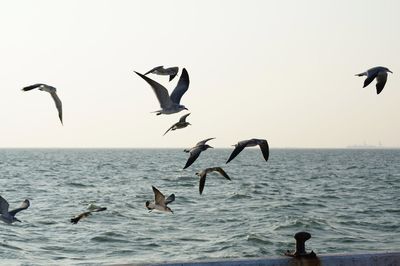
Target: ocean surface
{"x":349,"y":200}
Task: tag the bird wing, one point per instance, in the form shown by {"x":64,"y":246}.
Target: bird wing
{"x":171,"y":77}
{"x":238,"y":148}
{"x":221,"y":171}
{"x":160,"y":91}
{"x":34,"y":86}
{"x":169,"y":129}
{"x":170,"y":199}
{"x":183,"y":118}
{"x":58,"y":103}
{"x":173,"y":71}
{"x":264,"y":149}
{"x":25,"y":204}
{"x":76,"y":219}
{"x":203,"y":141}
{"x":3,"y":206}
{"x":159,"y":198}
{"x":194,"y":154}
{"x":181,"y":88}
{"x":202,"y":182}
{"x":153,"y":69}
{"x":100,"y":209}
{"x":381,"y":81}
{"x":368,"y":80}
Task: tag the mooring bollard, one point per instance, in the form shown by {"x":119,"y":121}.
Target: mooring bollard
{"x":301,"y":238}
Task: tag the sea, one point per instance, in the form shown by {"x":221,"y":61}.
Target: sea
{"x":347,"y":199}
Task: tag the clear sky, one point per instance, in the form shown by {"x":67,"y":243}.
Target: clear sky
{"x":279,"y":70}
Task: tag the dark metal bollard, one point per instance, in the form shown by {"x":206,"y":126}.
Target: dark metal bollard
{"x":301,"y":238}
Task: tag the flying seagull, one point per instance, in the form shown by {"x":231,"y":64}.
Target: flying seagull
{"x":380,"y":73}
{"x":76,"y":219}
{"x":250,"y":143}
{"x":169,"y":104}
{"x":202,"y":174}
{"x":160,"y":202}
{"x":181,"y":124}
{"x":196,"y":150}
{"x":160,"y":70}
{"x":9,"y":216}
{"x":53,"y":93}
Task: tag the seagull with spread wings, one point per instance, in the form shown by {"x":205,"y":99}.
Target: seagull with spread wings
{"x":77,"y":218}
{"x":9,"y":216}
{"x":250,"y":143}
{"x":169,"y":104}
{"x":180,"y":124}
{"x":203,"y":173}
{"x":379,"y":73}
{"x":53,"y":93}
{"x":160,"y":202}
{"x":160,"y":70}
{"x":195,"y":151}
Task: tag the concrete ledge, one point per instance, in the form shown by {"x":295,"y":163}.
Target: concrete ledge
{"x":368,"y":259}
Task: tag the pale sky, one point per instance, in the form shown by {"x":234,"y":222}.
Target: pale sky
{"x":279,"y":70}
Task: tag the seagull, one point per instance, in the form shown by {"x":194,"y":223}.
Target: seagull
{"x":9,"y":216}
{"x":53,"y":93}
{"x":181,"y":124}
{"x":380,"y":73}
{"x":250,"y":143}
{"x":170,"y":104}
{"x":76,"y":219}
{"x":160,"y":70}
{"x":202,"y":174}
{"x":160,"y":202}
{"x":196,"y":150}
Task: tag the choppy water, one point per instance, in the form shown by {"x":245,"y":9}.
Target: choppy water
{"x":349,"y":200}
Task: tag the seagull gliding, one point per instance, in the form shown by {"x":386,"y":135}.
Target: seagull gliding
{"x":170,"y":104}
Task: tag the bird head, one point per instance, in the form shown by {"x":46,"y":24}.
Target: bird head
{"x":147,"y":205}
{"x":388,"y":70}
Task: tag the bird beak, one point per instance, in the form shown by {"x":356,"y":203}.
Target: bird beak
{"x":186,"y":109}
{"x":390,"y":71}
{"x":17,"y":220}
{"x":211,"y":147}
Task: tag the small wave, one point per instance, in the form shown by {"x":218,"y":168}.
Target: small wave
{"x":240,"y":196}
{"x":74,"y":184}
{"x":103,"y":239}
{"x":10,"y":246}
{"x":258,"y":239}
